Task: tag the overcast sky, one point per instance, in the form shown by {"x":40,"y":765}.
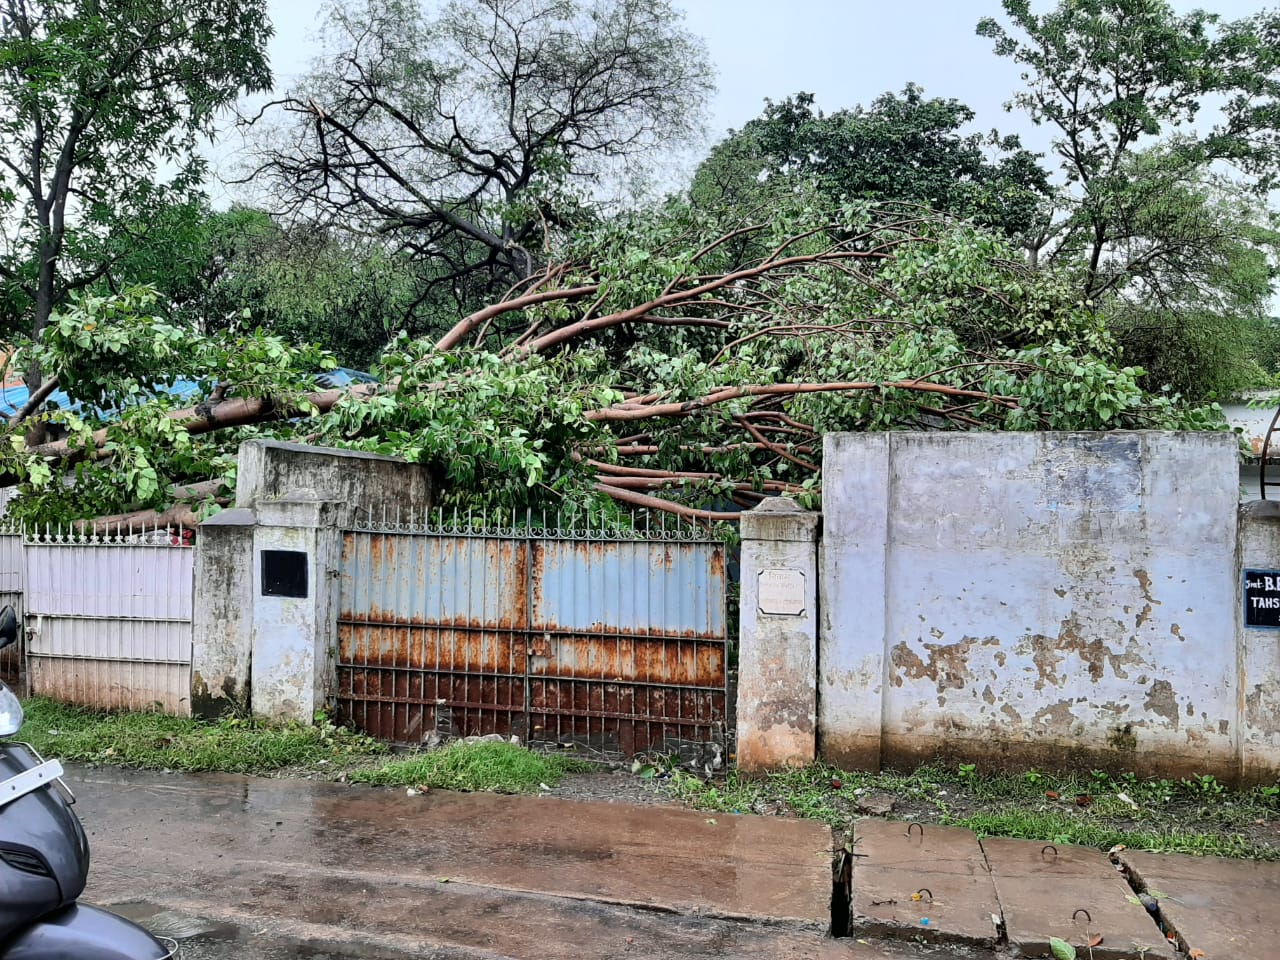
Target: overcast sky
{"x":846,"y":52}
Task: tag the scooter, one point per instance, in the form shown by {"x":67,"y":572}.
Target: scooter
{"x":44,"y":858}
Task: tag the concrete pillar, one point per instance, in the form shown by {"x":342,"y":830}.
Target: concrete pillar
{"x":778,"y":633}
{"x":222,"y":619}
{"x":267,"y":574}
{"x":297,"y":562}
{"x":851,"y":648}
{"x":1258,"y":646}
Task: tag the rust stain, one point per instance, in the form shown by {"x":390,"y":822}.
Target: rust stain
{"x":1008,"y":710}
{"x":716,"y":564}
{"x":1177,"y":632}
{"x":988,"y":695}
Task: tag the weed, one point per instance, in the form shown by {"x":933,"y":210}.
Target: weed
{"x":1202,"y":817}
{"x":230,"y":745}
{"x":497,"y":767}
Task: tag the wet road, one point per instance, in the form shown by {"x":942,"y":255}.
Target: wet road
{"x":299,"y":870}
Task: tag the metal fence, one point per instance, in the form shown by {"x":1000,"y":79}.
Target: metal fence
{"x":610,"y":637}
{"x":108,"y":619}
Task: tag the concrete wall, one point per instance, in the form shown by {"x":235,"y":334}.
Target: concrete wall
{"x":274,"y":655}
{"x":1036,"y":600}
{"x":1259,"y":650}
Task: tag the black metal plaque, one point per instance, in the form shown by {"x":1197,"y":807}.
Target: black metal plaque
{"x":1262,"y":598}
{"x":284,"y":573}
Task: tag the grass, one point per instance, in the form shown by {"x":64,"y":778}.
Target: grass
{"x":156,"y":741}
{"x":1195,"y":815}
{"x":233,"y":745}
{"x":495,"y":767}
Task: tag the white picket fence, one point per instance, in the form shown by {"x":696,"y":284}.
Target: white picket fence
{"x":108,"y":619}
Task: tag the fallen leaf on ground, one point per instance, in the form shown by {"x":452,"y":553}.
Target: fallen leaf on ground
{"x":1095,"y":940}
{"x":1051,"y":794}
{"x":1083,"y":799}
{"x":1196,"y":954}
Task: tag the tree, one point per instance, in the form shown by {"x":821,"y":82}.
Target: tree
{"x":469,"y":136}
{"x":658,"y":363}
{"x":240,"y":269}
{"x":903,"y":147}
{"x":101,"y":106}
{"x":1112,"y":76}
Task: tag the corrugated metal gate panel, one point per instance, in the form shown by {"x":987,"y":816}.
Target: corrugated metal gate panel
{"x":110,"y":625}
{"x":619,"y":644}
{"x":632,"y":652}
{"x":431,"y":635}
{"x":133,"y":581}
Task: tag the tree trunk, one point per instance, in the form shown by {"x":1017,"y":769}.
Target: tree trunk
{"x":36,"y":432}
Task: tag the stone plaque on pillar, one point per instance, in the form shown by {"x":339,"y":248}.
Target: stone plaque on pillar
{"x":781,"y":593}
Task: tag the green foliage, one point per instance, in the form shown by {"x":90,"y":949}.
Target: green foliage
{"x":303,"y":283}
{"x":1170,"y":816}
{"x":157,"y":741}
{"x":487,"y":766}
{"x":502,"y":434}
{"x":944,"y":329}
{"x":111,"y":98}
{"x":114,"y":356}
{"x":1176,"y":254}
{"x":902,"y":148}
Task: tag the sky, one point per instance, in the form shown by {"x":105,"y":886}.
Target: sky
{"x":845,"y":52}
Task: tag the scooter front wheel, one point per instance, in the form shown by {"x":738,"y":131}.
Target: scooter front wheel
{"x":81,"y":932}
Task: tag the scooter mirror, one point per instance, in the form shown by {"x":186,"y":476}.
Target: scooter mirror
{"x":8,"y":626}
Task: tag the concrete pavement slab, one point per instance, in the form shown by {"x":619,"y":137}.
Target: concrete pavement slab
{"x":944,"y":865}
{"x":1227,"y":909}
{"x":1041,"y":886}
{"x":666,"y":858}
{"x":285,"y":870}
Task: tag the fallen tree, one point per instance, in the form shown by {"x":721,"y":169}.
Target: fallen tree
{"x":666,"y":361}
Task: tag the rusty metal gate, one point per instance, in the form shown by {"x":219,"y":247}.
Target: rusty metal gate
{"x":606,"y":639}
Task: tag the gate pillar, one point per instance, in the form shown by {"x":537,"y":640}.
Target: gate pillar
{"x":778,"y":637}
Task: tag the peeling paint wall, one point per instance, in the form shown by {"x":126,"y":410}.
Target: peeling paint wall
{"x":1259,"y":689}
{"x":1031,"y":599}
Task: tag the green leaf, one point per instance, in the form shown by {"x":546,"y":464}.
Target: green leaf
{"x":1061,"y":949}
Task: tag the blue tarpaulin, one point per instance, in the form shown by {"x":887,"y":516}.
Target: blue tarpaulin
{"x":14,"y":396}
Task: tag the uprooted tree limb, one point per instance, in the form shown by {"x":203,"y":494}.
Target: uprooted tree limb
{"x":687,"y":370}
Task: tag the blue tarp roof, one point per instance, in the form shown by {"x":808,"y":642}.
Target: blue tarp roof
{"x":13,"y":397}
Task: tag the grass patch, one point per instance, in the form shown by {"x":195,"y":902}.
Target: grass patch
{"x":1196,"y":815}
{"x":483,"y":766}
{"x":156,"y":741}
